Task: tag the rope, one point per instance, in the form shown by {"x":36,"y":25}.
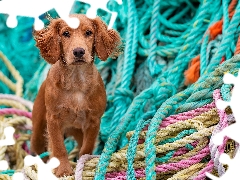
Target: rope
{"x":19,"y":84}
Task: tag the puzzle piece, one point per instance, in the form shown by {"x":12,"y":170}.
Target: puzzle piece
{"x":44,"y":170}
{"x":8,"y":133}
{"x":3,"y":165}
{"x":63,"y":8}
{"x":95,"y":5}
{"x":231,"y":131}
{"x":18,"y":176}
{"x":233,"y":164}
{"x":29,"y":8}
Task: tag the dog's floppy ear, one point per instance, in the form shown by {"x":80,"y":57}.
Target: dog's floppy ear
{"x":48,"y":41}
{"x":107,"y":41}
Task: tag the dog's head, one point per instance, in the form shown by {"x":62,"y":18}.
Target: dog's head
{"x":76,"y":46}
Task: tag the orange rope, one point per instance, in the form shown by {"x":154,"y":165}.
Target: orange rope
{"x":193,"y":72}
{"x":216,"y":28}
{"x":232,"y":5}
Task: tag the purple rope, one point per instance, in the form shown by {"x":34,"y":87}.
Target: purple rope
{"x":27,"y":103}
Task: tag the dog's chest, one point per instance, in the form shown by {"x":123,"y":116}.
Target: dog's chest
{"x":74,"y":108}
{"x":78,"y":98}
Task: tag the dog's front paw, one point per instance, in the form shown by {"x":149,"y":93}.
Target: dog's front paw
{"x":63,"y":170}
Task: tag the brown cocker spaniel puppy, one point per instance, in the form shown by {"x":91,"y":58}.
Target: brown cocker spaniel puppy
{"x":72,"y":99}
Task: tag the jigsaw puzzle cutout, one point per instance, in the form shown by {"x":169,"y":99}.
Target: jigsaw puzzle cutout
{"x":18,"y":176}
{"x":95,"y":5}
{"x":233,"y":170}
{"x":8,"y":133}
{"x":34,"y":8}
{"x":232,"y":131}
{"x":44,"y":170}
{"x":29,"y":8}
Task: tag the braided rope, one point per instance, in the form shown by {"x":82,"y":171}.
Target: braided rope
{"x":186,"y":173}
{"x":26,"y":103}
{"x":15,"y":111}
{"x":12,"y":103}
{"x":19,"y":84}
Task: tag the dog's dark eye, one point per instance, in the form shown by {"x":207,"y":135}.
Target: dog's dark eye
{"x":66,"y":34}
{"x":88,"y":33}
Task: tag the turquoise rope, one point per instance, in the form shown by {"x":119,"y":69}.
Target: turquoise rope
{"x":203,"y":54}
{"x":9,"y":172}
{"x":179,"y":136}
{"x":154,"y":67}
{"x":226,"y":18}
{"x":132,"y":147}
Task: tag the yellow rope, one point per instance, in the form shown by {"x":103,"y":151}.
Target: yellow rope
{"x":17,"y":120}
{"x":186,"y":140}
{"x":8,"y":82}
{"x":73,"y":154}
{"x":19,"y":151}
{"x":12,"y":103}
{"x":31,"y":173}
{"x":5,"y":177}
{"x":11,"y":154}
{"x":15,"y":74}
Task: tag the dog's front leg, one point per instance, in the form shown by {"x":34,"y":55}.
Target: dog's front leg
{"x":90,"y":133}
{"x":57,"y":146}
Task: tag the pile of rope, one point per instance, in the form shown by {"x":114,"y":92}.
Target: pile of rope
{"x":183,"y":146}
{"x":161,"y":91}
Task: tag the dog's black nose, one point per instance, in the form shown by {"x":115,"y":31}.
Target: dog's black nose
{"x":78,"y":52}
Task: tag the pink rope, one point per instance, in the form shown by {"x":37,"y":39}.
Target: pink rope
{"x":9,"y":111}
{"x":184,"y":150}
{"x":202,"y":173}
{"x":181,"y":117}
{"x":139,"y":173}
{"x":183,"y":163}
{"x":180,"y":152}
{"x":186,"y":115}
